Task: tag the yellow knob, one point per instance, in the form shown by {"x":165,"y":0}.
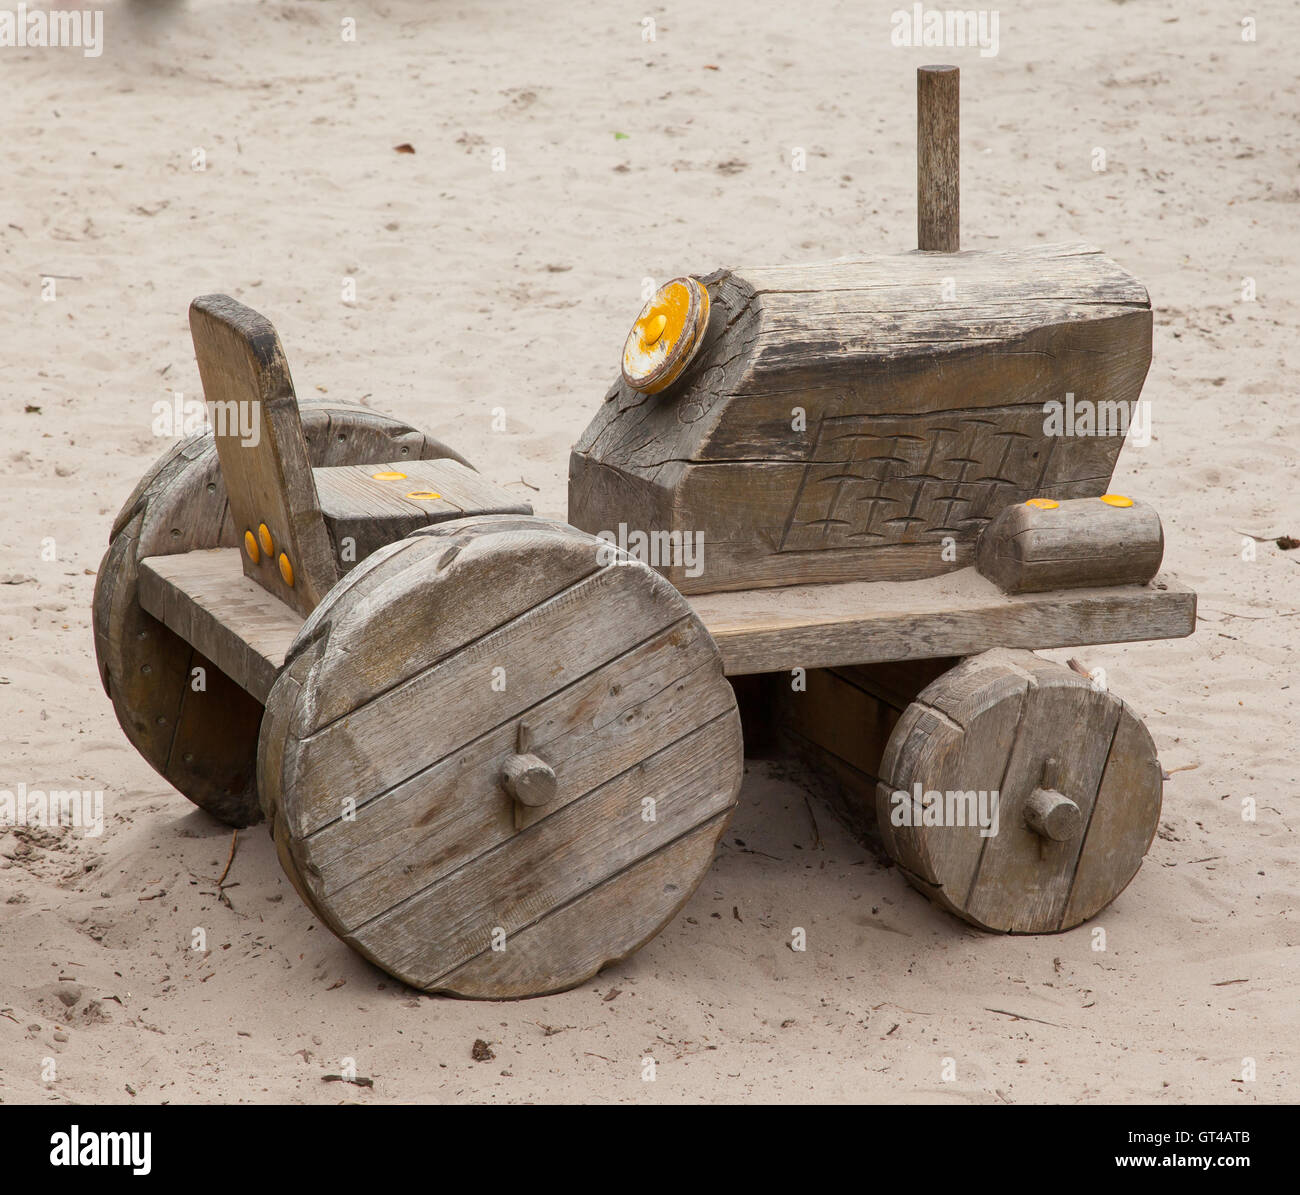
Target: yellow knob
{"x":1042,"y":503}
{"x":264,"y":537}
{"x":286,"y":570}
{"x":389,"y":476}
{"x":250,"y":546}
{"x":1116,"y":500}
{"x":655,"y":328}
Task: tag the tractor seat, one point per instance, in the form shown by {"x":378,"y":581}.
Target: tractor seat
{"x":368,"y":506}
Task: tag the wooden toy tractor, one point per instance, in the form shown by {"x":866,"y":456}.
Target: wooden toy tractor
{"x":497,"y":751}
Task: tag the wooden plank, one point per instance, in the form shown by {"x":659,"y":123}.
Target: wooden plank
{"x":435,"y":822}
{"x":370,"y":749}
{"x":1124,"y":820}
{"x":522,"y":878}
{"x":820,"y":626}
{"x":210,"y":749}
{"x":839,"y":717}
{"x":205,"y":598}
{"x":1084,"y":542}
{"x":368,"y":506}
{"x":259,"y":439}
{"x":571,"y":944}
{"x":759,"y":631}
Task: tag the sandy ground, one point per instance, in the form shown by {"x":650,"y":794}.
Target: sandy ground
{"x":479,"y":289}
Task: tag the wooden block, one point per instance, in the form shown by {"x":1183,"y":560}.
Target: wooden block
{"x":263,"y":454}
{"x":368,"y":506}
{"x":205,"y":598}
{"x":839,"y":724}
{"x":1039,"y":545}
{"x":202,"y":596}
{"x":849,"y":420}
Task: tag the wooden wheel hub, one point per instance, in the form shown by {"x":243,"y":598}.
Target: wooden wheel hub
{"x":666,"y":336}
{"x":1017,"y":794}
{"x":1050,"y":813}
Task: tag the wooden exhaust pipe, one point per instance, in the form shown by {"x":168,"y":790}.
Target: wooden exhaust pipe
{"x":938,"y":159}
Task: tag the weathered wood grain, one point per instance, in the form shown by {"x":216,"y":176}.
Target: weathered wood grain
{"x":391,"y":809}
{"x":205,"y":598}
{"x":846,"y":420}
{"x":370,"y":749}
{"x":938,"y":158}
{"x":1125,"y":816}
{"x":1024,"y":879}
{"x":147,"y":670}
{"x":1011,"y":724}
{"x":570,"y":945}
{"x":480,"y":576}
{"x":363,"y":512}
{"x":445,"y":925}
{"x":821,"y":626}
{"x":970,"y":719}
{"x":180,"y":505}
{"x":437,"y":820}
{"x":250,"y":635}
{"x":1084,"y":542}
{"x":839,"y":725}
{"x":263,"y":453}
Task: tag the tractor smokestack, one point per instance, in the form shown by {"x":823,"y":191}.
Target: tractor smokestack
{"x":938,"y":159}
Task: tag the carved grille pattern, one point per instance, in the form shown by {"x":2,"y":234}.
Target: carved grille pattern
{"x":880,"y":479}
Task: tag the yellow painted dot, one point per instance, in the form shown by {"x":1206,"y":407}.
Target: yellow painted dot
{"x":264,"y":538}
{"x":424,"y":495}
{"x":286,"y":570}
{"x":250,"y":546}
{"x":1116,"y":500}
{"x":655,"y":328}
{"x":1042,"y":503}
{"x":389,"y":476}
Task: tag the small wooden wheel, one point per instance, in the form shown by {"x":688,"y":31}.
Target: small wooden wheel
{"x":494,"y":764}
{"x":204,"y":740}
{"x":1078,"y":793}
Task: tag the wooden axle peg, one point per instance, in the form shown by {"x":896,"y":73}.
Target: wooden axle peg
{"x":525,"y":776}
{"x":1052,"y":814}
{"x":529,"y":779}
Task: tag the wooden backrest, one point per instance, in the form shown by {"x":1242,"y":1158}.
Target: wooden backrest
{"x":263,"y":454}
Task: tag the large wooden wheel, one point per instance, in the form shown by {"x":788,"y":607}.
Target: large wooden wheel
{"x":494,"y":764}
{"x":1078,"y":786}
{"x":204,"y":740}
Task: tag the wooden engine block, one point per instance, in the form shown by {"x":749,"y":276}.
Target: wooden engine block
{"x":851,"y":420}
